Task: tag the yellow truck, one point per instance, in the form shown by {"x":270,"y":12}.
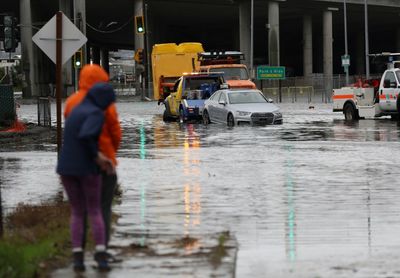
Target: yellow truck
{"x":169,"y":62}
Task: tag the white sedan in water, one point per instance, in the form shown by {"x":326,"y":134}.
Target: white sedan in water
{"x":235,"y":107}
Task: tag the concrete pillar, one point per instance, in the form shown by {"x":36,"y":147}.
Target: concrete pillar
{"x":273,"y":34}
{"x":79,"y":16}
{"x":327,"y":53}
{"x":397,"y":40}
{"x":360,"y":54}
{"x":307,"y":46}
{"x":244,"y":30}
{"x":104,"y":55}
{"x":27,"y":50}
{"x":96,"y":55}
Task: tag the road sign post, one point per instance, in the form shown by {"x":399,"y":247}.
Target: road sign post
{"x":272,"y":73}
{"x":59,"y":39}
{"x":59,"y":30}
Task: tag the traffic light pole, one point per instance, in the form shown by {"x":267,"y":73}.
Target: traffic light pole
{"x":10,"y":71}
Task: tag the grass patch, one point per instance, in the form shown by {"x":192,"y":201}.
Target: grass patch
{"x":36,"y":239}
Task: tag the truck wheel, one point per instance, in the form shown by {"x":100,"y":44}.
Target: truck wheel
{"x":231,"y":120}
{"x":350,"y":112}
{"x":166,"y":115}
{"x":206,"y":118}
{"x":181,"y":115}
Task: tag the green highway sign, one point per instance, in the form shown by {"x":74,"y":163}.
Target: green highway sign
{"x":269,"y":72}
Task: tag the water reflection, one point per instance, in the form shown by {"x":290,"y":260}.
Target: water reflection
{"x":367,"y":130}
{"x":191,"y":187}
{"x":143,"y":185}
{"x":291,"y":214}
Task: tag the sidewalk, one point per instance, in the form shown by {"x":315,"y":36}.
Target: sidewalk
{"x":210,"y":256}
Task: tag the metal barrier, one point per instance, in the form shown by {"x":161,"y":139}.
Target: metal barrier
{"x":290,"y":94}
{"x":7,"y":105}
{"x":44,"y":111}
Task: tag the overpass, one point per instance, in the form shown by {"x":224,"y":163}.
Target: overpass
{"x":305,"y":36}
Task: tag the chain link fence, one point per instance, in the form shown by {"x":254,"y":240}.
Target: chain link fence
{"x":7,"y":105}
{"x":316,"y":88}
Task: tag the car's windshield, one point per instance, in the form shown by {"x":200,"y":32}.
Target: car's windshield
{"x":239,"y":73}
{"x":246,"y":97}
{"x":398,"y":75}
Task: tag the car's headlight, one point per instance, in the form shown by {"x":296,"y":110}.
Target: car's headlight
{"x":243,"y":113}
{"x":278,"y":114}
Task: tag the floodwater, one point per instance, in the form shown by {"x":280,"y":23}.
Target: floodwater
{"x":313,"y":197}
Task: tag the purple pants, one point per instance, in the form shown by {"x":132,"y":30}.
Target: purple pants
{"x":84,"y":194}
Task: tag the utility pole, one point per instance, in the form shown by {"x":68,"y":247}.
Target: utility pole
{"x":366,"y":40}
{"x":251,"y":37}
{"x":346,"y":49}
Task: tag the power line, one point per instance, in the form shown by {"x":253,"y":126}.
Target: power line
{"x":110,"y":31}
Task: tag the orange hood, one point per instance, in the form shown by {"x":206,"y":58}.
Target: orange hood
{"x":90,"y":75}
{"x":238,"y":84}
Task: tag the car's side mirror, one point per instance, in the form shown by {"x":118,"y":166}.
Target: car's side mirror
{"x":222,"y":102}
{"x":270,"y":100}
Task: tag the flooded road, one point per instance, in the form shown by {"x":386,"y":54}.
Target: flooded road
{"x":313,"y":197}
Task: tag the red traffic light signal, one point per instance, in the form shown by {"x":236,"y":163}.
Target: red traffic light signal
{"x":139,"y":24}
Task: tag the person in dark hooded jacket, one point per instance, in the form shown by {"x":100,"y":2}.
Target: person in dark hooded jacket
{"x":79,"y":166}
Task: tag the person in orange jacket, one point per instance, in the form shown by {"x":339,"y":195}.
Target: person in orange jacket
{"x":109,"y":140}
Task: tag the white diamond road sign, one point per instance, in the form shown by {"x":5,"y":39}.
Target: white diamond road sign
{"x":72,"y":39}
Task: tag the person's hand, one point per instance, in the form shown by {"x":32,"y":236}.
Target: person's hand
{"x":105,"y":163}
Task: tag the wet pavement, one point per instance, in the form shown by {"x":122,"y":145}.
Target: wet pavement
{"x":313,"y":197}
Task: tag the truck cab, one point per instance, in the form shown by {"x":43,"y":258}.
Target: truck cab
{"x":389,"y":89}
{"x":228,"y":62}
{"x":186,"y":102}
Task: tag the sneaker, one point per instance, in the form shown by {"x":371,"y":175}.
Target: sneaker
{"x":101,"y":259}
{"x":78,"y":261}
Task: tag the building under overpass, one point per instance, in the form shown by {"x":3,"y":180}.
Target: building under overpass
{"x":306,"y":36}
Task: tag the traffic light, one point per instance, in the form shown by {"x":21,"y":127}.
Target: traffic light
{"x":78,"y":59}
{"x":139,"y":24}
{"x":139,"y":56}
{"x":11,"y":33}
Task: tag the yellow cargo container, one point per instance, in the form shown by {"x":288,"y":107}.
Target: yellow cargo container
{"x":169,"y":62}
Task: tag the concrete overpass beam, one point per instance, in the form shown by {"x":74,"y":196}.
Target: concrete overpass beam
{"x":307,"y":46}
{"x":244,"y":30}
{"x":273,"y":34}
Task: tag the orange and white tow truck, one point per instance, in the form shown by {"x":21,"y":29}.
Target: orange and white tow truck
{"x":371,"y":98}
